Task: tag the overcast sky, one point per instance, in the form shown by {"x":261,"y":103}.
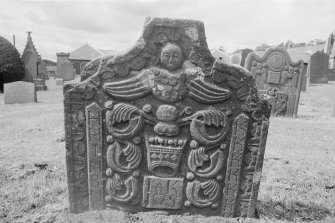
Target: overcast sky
{"x":62,"y":26}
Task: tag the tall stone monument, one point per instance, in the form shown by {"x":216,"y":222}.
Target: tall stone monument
{"x":164,"y":127}
{"x":30,"y":58}
{"x":278,"y":79}
{"x":61,"y":58}
{"x":35,"y":69}
{"x":318,"y":68}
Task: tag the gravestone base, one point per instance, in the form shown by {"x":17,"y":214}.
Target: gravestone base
{"x":41,"y":88}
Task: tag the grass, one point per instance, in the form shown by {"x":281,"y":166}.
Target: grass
{"x":298,"y":182}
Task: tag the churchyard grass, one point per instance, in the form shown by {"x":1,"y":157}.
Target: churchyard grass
{"x":298,"y":181}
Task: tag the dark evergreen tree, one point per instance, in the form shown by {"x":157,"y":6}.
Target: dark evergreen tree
{"x":11,"y":65}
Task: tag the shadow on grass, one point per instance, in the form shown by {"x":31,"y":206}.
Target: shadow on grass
{"x":292,"y":211}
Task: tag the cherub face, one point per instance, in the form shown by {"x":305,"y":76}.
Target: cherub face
{"x":171,"y":56}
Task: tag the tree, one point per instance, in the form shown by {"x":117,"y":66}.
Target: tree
{"x":11,"y":65}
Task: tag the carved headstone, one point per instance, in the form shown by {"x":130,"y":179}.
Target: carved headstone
{"x":278,"y":79}
{"x":165,"y":127}
{"x":66,"y":71}
{"x":318,"y":68}
{"x":19,"y":92}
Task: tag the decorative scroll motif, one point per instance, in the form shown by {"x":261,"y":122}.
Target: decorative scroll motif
{"x":211,"y":189}
{"x":163,"y":193}
{"x":161,"y":115}
{"x":234,"y":164}
{"x":94,"y":156}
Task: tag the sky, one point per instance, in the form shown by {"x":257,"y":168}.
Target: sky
{"x":63,"y":26}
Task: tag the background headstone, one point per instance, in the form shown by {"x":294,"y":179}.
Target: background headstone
{"x":318,"y":68}
{"x":61,"y":58}
{"x":244,"y":54}
{"x":236,"y":59}
{"x":19,"y":92}
{"x":304,"y":80}
{"x":278,"y":78}
{"x":66,"y":70}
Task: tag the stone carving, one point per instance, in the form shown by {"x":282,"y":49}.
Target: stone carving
{"x":165,"y":127}
{"x":275,"y":74}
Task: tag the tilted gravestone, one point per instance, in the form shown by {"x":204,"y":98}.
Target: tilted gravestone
{"x":19,"y":92}
{"x":164,"y":127}
{"x":278,"y":79}
{"x":66,"y":71}
{"x":318,"y":68}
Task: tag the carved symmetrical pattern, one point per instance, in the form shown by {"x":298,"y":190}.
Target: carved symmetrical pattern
{"x":165,"y":127}
{"x":275,"y":70}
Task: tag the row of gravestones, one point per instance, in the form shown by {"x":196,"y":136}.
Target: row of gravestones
{"x":280,"y":80}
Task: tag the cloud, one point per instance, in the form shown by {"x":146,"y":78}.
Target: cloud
{"x":116,"y":24}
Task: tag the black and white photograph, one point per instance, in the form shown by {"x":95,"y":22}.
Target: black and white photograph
{"x":167,"y":111}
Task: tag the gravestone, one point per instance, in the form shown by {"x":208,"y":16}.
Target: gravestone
{"x":61,"y":58}
{"x":278,"y":79}
{"x":164,"y":127}
{"x":244,"y":53}
{"x":66,"y":71}
{"x":236,"y":59}
{"x":304,"y":78}
{"x":19,"y":92}
{"x":318,"y":68}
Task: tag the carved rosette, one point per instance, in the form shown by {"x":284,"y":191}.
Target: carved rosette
{"x":165,"y":127}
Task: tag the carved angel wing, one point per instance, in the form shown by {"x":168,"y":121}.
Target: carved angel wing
{"x":130,"y":89}
{"x":207,"y":93}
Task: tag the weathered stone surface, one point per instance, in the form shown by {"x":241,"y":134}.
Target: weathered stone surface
{"x":19,"y":92}
{"x":164,"y":127}
{"x":278,"y":79}
{"x":66,"y":71}
{"x":318,"y":68}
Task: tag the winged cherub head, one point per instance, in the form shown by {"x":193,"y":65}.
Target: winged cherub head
{"x":171,"y":56}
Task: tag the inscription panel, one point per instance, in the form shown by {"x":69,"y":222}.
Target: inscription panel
{"x":162,"y":193}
